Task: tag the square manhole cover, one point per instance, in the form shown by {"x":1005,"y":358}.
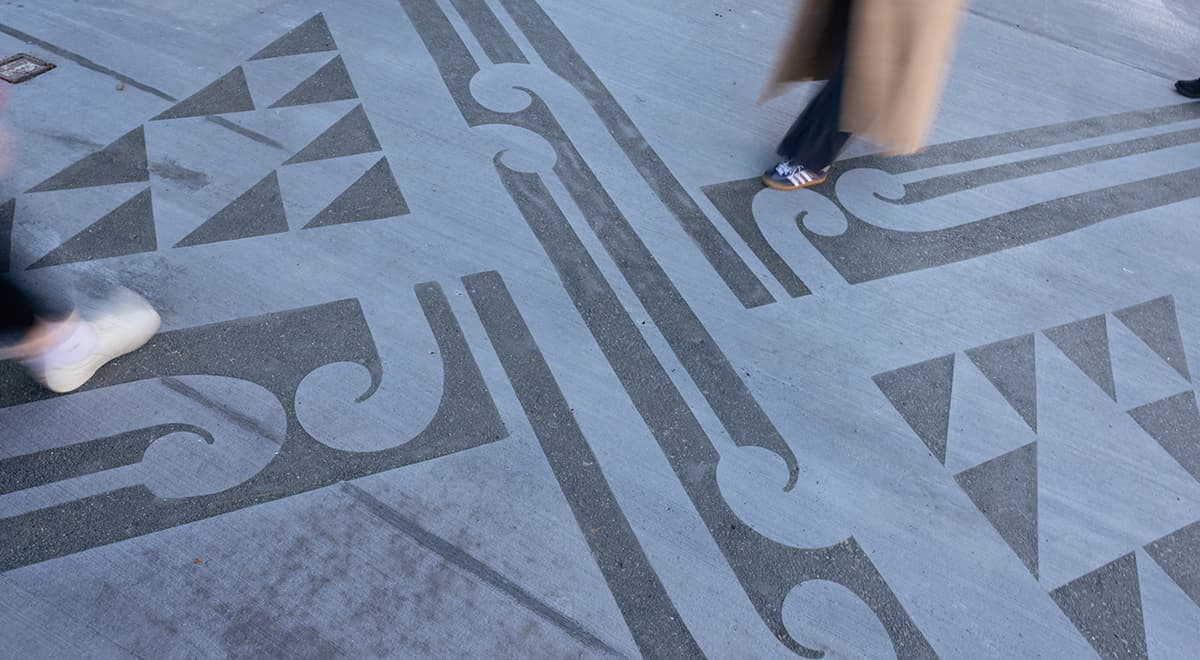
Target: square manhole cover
{"x":21,"y":67}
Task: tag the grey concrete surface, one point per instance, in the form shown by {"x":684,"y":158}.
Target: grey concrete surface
{"x":481,"y":340}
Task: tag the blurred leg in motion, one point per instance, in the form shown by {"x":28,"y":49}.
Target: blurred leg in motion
{"x":815,"y":138}
{"x":1189,"y":88}
{"x":63,"y":350}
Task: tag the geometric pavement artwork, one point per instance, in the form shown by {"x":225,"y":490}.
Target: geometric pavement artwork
{"x":1005,"y":491}
{"x":311,"y":36}
{"x":1155,"y":323}
{"x":866,"y":246}
{"x":373,"y":196}
{"x":127,"y":229}
{"x":1086,"y":344}
{"x":1011,"y":367}
{"x":1178,"y":553}
{"x":350,"y":135}
{"x":1105,"y":605}
{"x":123,"y":161}
{"x":277,"y":352}
{"x":226,"y":94}
{"x":921,"y":394}
{"x":766,"y":569}
{"x":330,"y":83}
{"x":1174,"y":422}
{"x":614,"y":545}
{"x":257,"y":211}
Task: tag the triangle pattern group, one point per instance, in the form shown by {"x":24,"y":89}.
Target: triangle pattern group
{"x":130,"y":228}
{"x":1104,"y":605}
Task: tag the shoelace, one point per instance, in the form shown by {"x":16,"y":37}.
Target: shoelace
{"x":786,"y":169}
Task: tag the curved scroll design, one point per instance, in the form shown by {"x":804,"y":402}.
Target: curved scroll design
{"x":53,"y":465}
{"x":867,"y":251}
{"x":458,"y":67}
{"x":699,"y":353}
{"x":178,"y":437}
{"x":275,"y":352}
{"x":465,"y":415}
{"x":767,"y":571}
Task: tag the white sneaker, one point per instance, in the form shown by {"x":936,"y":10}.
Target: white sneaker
{"x":124,"y":326}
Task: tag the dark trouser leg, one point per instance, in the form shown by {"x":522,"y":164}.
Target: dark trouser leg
{"x":18,"y":312}
{"x":814,"y":140}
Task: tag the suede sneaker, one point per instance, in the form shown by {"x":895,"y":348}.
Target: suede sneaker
{"x":786,"y":176}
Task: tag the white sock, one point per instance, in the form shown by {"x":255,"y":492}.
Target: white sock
{"x":71,"y":350}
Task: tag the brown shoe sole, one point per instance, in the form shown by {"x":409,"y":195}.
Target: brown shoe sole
{"x":787,"y":188}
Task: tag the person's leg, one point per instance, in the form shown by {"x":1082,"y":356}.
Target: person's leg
{"x":1189,"y":88}
{"x":18,"y":312}
{"x":814,"y":141}
{"x":60,"y":348}
{"x":63,"y":350}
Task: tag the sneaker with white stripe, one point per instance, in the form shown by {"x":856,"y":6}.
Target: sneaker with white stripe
{"x":786,"y":176}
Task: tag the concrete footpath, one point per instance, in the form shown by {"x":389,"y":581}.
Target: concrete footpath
{"x":481,"y":339}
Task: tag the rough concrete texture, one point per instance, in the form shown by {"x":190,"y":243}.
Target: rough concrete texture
{"x":482,"y":340}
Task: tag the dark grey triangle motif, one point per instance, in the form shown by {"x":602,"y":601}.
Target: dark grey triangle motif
{"x":1174,"y":423}
{"x":330,"y":83}
{"x":921,"y":394}
{"x":122,"y":161}
{"x":311,"y":36}
{"x":373,"y":196}
{"x":257,"y":212}
{"x":1086,"y":344}
{"x":1155,"y":323}
{"x":1005,"y":490}
{"x":1178,"y":553}
{"x":1106,"y":606}
{"x":127,"y":229}
{"x":1011,"y":367}
{"x":229,"y":93}
{"x":352,"y":134}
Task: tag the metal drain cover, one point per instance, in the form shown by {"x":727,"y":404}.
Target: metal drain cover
{"x":21,"y":67}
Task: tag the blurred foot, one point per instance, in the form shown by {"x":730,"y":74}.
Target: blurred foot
{"x":1189,"y":88}
{"x":83,"y":345}
{"x":786,"y":176}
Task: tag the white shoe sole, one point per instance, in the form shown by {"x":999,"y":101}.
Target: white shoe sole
{"x":127,"y":324}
